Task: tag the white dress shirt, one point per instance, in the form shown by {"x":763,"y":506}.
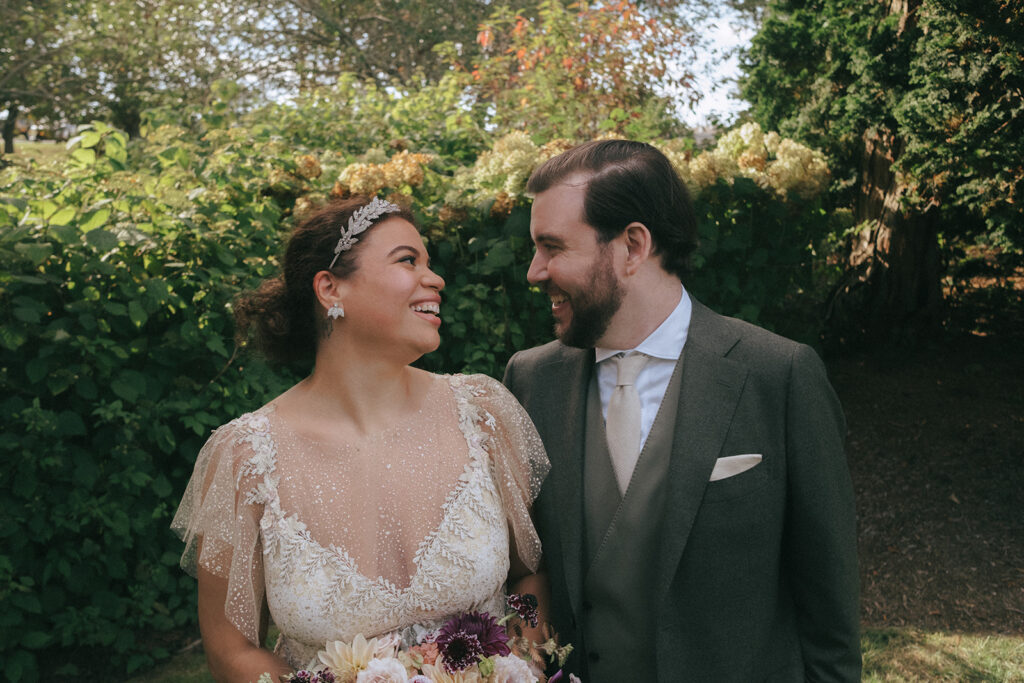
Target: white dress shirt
{"x":664,"y":346}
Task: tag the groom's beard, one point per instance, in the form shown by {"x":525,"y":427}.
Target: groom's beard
{"x":593,"y":307}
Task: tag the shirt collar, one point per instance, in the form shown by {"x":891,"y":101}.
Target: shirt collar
{"x":665,"y":342}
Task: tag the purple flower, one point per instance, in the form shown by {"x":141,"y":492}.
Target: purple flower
{"x":467,"y":637}
{"x":525,"y":606}
{"x":557,"y":677}
{"x":301,"y":676}
{"x":326,"y":676}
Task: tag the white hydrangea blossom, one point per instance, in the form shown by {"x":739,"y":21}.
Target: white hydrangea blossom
{"x":774,"y":163}
{"x":505,"y":168}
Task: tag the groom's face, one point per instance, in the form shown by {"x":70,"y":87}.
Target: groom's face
{"x":572,"y":266}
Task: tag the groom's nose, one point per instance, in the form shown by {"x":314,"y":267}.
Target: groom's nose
{"x":538,"y":271}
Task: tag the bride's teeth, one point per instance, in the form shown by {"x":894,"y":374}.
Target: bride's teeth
{"x":427,"y":308}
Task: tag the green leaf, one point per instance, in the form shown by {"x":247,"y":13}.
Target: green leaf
{"x":163,"y":489}
{"x":36,"y":369}
{"x":216,"y":344}
{"x":115,"y":308}
{"x":116,"y":151}
{"x":34,"y":640}
{"x":65,"y":234}
{"x":27,"y":602}
{"x":90,"y":138}
{"x":10,"y":338}
{"x":129,"y":385}
{"x":18,"y":663}
{"x":70,"y":424}
{"x":85,"y":157}
{"x":63,"y":216}
{"x":35,"y":252}
{"x":102,"y":240}
{"x":137,"y":313}
{"x":95,"y":220}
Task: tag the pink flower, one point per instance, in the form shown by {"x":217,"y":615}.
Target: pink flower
{"x":428,"y":651}
{"x":387,"y":646}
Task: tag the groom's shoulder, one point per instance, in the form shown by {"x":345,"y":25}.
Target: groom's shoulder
{"x":545,"y":354}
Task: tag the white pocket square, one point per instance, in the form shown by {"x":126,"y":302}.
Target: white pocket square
{"x":732,"y":465}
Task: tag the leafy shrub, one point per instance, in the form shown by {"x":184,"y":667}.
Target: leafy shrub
{"x":116,"y":353}
{"x":116,"y":363}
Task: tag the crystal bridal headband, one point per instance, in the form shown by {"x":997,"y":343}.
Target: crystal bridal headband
{"x":361,"y":219}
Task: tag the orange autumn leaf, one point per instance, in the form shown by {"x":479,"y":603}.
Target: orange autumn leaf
{"x":485,"y":37}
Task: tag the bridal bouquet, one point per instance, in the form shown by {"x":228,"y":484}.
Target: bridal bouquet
{"x":474,"y":647}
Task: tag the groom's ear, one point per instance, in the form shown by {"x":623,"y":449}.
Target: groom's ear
{"x":639,"y":246}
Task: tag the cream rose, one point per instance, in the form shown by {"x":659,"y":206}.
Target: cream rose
{"x":511,"y":669}
{"x":383,"y":671}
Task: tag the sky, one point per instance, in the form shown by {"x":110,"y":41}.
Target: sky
{"x":716,"y":76}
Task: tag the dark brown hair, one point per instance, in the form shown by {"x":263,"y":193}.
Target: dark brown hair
{"x":281,"y":315}
{"x":629,"y":181}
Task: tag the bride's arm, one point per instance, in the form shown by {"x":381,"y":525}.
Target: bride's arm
{"x":229,"y":654}
{"x":521,"y":580}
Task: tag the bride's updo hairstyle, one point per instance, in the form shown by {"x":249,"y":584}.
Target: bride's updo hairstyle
{"x":282,"y":316}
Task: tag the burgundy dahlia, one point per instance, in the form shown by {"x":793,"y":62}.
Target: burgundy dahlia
{"x":525,"y":606}
{"x":467,"y":637}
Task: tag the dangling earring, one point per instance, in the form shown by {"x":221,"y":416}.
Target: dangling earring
{"x":333,"y":313}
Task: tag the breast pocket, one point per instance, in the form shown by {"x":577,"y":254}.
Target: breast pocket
{"x":738,"y":485}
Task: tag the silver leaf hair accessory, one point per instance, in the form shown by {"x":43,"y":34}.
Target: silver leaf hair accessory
{"x":361,"y":219}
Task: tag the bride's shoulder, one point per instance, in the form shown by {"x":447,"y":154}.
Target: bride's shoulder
{"x":479,"y":384}
{"x":244,"y":441}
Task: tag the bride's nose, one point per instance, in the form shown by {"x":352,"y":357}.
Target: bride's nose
{"x":433,"y":280}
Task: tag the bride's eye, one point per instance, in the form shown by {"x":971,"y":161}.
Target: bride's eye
{"x":410,"y":259}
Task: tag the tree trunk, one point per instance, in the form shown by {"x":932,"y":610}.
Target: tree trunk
{"x":891,"y":291}
{"x":10,"y":125}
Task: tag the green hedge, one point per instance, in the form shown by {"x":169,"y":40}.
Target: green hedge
{"x":117,"y":271}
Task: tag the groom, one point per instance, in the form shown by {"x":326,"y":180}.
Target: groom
{"x":698,"y":521}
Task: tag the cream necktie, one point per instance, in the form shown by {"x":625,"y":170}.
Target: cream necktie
{"x":623,"y":422}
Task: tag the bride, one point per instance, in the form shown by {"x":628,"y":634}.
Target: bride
{"x":371,"y":497}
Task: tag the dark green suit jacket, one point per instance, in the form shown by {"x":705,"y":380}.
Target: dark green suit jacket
{"x":757,"y":574}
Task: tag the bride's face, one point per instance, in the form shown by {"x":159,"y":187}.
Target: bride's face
{"x":392,"y":300}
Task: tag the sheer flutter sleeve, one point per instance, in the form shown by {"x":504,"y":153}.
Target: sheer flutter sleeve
{"x":518,"y":461}
{"x":218,"y":519}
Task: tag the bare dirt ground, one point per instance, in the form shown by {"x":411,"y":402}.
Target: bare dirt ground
{"x":936,"y":450}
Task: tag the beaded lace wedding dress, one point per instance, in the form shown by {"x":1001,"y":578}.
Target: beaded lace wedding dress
{"x":393,"y":534}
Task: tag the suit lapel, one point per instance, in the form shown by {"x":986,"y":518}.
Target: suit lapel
{"x":569,"y":428}
{"x":710,"y":389}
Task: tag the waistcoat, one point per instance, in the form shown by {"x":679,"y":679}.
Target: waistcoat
{"x":621,"y":542}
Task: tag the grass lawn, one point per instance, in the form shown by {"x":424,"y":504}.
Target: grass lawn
{"x":907,"y":654}
{"x":890,"y":655}
{"x":42,"y":152}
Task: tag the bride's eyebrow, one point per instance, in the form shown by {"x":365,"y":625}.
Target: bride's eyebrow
{"x":406,"y":247}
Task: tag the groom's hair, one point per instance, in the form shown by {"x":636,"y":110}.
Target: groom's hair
{"x":628,"y":181}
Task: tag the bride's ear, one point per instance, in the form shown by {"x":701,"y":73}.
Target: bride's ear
{"x":329,"y":289}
